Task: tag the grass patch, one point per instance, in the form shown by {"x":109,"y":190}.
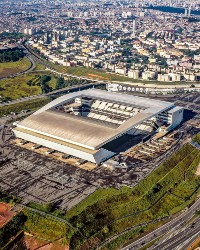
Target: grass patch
{"x":52,"y":82}
{"x":197,"y":138}
{"x":152,"y":198}
{"x":98,"y":195}
{"x":45,"y":227}
{"x":23,"y":86}
{"x":27,"y":105}
{"x":15,"y":88}
{"x":39,"y":67}
{"x":10,"y":68}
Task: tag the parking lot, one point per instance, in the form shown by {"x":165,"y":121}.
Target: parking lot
{"x":40,"y":178}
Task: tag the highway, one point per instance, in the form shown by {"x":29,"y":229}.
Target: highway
{"x":177,"y":238}
{"x":189,"y":242}
{"x":173,"y":224}
{"x":33,"y":59}
{"x":180,"y":239}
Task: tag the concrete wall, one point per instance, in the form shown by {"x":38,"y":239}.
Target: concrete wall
{"x":115,"y":87}
{"x":177,"y":117}
{"x":97,"y":157}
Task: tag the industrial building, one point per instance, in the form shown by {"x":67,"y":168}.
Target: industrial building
{"x":83,"y":123}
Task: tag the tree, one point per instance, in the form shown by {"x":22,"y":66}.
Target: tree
{"x":60,"y":83}
{"x":11,"y":55}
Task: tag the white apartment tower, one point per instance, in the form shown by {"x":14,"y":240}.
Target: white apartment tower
{"x":134,"y":27}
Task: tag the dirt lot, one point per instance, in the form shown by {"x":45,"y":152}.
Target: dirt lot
{"x":33,"y":243}
{"x":28,"y":241}
{"x":194,"y":245}
{"x":97,"y":77}
{"x":5,"y":214}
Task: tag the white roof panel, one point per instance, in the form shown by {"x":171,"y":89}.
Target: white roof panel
{"x":82,"y":131}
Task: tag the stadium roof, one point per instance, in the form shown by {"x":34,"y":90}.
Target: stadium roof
{"x":83,"y":132}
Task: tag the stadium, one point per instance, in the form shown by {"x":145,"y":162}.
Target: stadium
{"x":83,"y":123}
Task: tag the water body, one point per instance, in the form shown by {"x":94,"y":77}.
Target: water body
{"x":172,"y":9}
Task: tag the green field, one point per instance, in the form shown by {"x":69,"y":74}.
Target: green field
{"x":167,"y":190}
{"x":39,"y":67}
{"x":197,"y":138}
{"x":24,"y":85}
{"x":45,"y":227}
{"x":106,"y":76}
{"x":10,"y":68}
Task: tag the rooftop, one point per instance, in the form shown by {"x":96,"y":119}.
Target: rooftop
{"x":90,"y":132}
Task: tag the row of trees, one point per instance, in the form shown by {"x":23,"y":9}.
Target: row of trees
{"x":5,"y":197}
{"x":42,"y":81}
{"x":61,"y":83}
{"x":11,"y":55}
{"x":12,"y":228}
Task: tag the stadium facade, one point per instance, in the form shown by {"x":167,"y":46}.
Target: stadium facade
{"x":82,"y":123}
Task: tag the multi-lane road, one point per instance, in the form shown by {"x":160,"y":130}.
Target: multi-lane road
{"x":179,"y":239}
{"x":174,"y":224}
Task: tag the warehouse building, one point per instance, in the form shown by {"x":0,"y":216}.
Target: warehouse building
{"x":83,"y":123}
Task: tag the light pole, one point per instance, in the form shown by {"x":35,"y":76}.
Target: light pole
{"x":62,"y":177}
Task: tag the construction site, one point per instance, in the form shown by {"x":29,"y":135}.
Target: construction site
{"x":40,"y":173}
